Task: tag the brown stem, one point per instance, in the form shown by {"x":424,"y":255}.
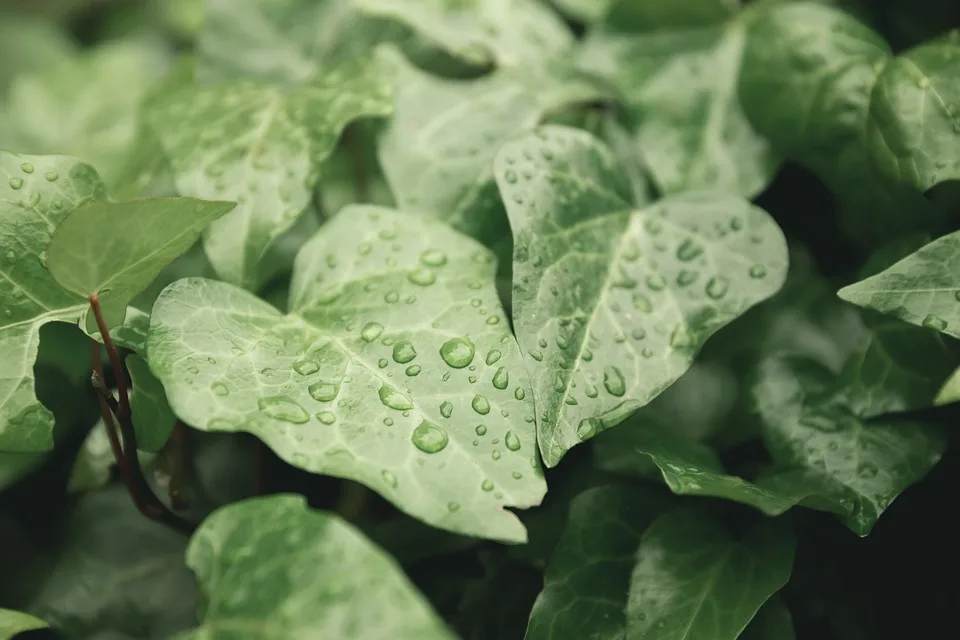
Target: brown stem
{"x":118,"y":372}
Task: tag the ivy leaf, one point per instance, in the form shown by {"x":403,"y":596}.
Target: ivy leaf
{"x":261,"y":146}
{"x":772,"y":622}
{"x":587,"y":11}
{"x":950,"y":391}
{"x":395,"y":368}
{"x":91,"y":467}
{"x":611,"y":304}
{"x":814,"y":422}
{"x":506,"y":33}
{"x":437,"y":150}
{"x":118,"y":574}
{"x":923,"y":288}
{"x":14,"y":622}
{"x":914,"y":130}
{"x":14,"y":466}
{"x":116,"y":249}
{"x":585,"y":585}
{"x":153,"y":419}
{"x":36,"y":192}
{"x":84,"y":106}
{"x":329,"y":571}
{"x":692,"y":579}
{"x":680,"y":87}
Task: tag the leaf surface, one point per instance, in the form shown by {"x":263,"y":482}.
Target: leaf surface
{"x":15,"y":622}
{"x":315,"y":576}
{"x":611,"y":304}
{"x":692,"y":579}
{"x":437,"y":150}
{"x":923,"y":288}
{"x":772,"y":622}
{"x":395,"y":367}
{"x":950,"y":392}
{"x":116,"y":249}
{"x":36,"y":192}
{"x":586,"y":582}
{"x":153,"y":419}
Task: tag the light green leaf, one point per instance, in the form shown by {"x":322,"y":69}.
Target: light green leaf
{"x":36,"y":192}
{"x":950,"y":391}
{"x":263,"y":147}
{"x":153,"y":418}
{"x":585,"y":585}
{"x":91,"y":467}
{"x":680,"y":87}
{"x":14,"y":622}
{"x":611,"y":304}
{"x":914,"y":125}
{"x":395,"y":368}
{"x":118,"y":574}
{"x":29,"y":45}
{"x":324,"y":587}
{"x":506,"y":33}
{"x":923,"y":288}
{"x":84,"y":106}
{"x":772,"y":622}
{"x":116,"y":249}
{"x":650,"y":15}
{"x":437,"y":150}
{"x":692,"y":579}
{"x":814,"y":422}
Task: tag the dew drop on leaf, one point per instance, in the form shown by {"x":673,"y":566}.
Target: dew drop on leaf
{"x":403,"y":352}
{"x":496,"y":454}
{"x":220,"y":389}
{"x":867,"y":470}
{"x":758,"y":271}
{"x":392,"y":398}
{"x":371,"y":331}
{"x":327,"y":417}
{"x":26,"y":167}
{"x":487,"y":485}
{"x":656,"y":282}
{"x":587,"y":428}
{"x":686,"y":277}
{"x":389,"y":478}
{"x":688,"y":250}
{"x":422,"y":277}
{"x":613,"y":382}
{"x":642,"y":303}
{"x":51,"y":176}
{"x":501,"y":378}
{"x":282,"y":408}
{"x":413,"y":370}
{"x":934,"y":322}
{"x":512,"y":441}
{"x":510,"y":176}
{"x":453,"y":507}
{"x":429,"y":438}
{"x":306,"y":367}
{"x":446,"y":409}
{"x":519,"y":393}
{"x":536,"y":355}
{"x":457,"y":352}
{"x":433,"y":258}
{"x":324,"y":391}
{"x":481,"y":405}
{"x":717,"y":287}
{"x":16,"y":183}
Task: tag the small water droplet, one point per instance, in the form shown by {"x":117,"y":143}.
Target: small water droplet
{"x":371,"y":331}
{"x":613,"y":381}
{"x":493,"y":320}
{"x":26,"y":167}
{"x":510,"y":176}
{"x":389,"y":478}
{"x":391,"y":297}
{"x":686,"y":277}
{"x":285,"y":409}
{"x":588,"y":428}
{"x":758,"y":271}
{"x":656,"y":282}
{"x":495,"y":454}
{"x":481,"y":430}
{"x":647,"y":353}
{"x":688,"y":250}
{"x":51,"y":176}
{"x":324,"y":391}
{"x":512,"y":441}
{"x":867,"y":470}
{"x":429,"y":438}
{"x":327,"y":417}
{"x":652,"y":226}
{"x":923,"y":83}
{"x":403,"y":352}
{"x":220,"y":389}
{"x":501,"y":378}
{"x":433,"y":258}
{"x":392,"y":398}
{"x":413,"y":370}
{"x":642,"y":303}
{"x":680,"y":337}
{"x":934,"y":322}
{"x":11,"y":256}
{"x":453,"y":507}
{"x":15,"y":183}
{"x":480,"y":404}
{"x":306,"y":367}
{"x":422,"y":277}
{"x":388,"y":421}
{"x":446,"y":409}
{"x":536,"y":355}
{"x":717,"y":287}
{"x":457,"y":352}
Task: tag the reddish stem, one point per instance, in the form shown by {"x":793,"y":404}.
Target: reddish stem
{"x":118,"y":372}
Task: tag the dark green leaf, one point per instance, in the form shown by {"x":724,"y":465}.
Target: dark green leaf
{"x":773,"y":622}
{"x":326,"y":580}
{"x":152,"y":417}
{"x":692,"y":579}
{"x":950,"y":392}
{"x":611,"y":304}
{"x":14,"y":622}
{"x":649,"y":15}
{"x":395,"y":368}
{"x":14,"y":466}
{"x":585,"y":586}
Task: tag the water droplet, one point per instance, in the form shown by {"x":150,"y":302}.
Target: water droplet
{"x":391,"y":297}
{"x":429,"y":438}
{"x":413,"y":370}
{"x":389,"y":478}
{"x":487,"y":485}
{"x":647,"y":353}
{"x":956,"y":295}
{"x":15,"y":183}
{"x":422,"y":277}
{"x":391,"y":397}
{"x":324,"y":391}
{"x":656,"y":282}
{"x":382,"y":363}
{"x":923,"y":83}
{"x":501,"y":378}
{"x":285,"y":409}
{"x":457,"y":352}
{"x":495,"y":454}
{"x":327,"y":417}
{"x":220,"y":389}
{"x":26,"y":167}
{"x":388,"y":421}
{"x":642,"y":303}
{"x":453,"y":507}
{"x":536,"y":355}
{"x":512,"y":441}
{"x":51,"y":176}
{"x":306,"y":367}
{"x":510,"y":176}
{"x":652,"y":226}
{"x":403,"y":352}
{"x":480,"y":404}
{"x":613,"y":381}
{"x":717,"y":287}
{"x":688,"y":250}
{"x":519,"y":394}
{"x":638,"y":333}
{"x":446,"y":409}
{"x":686,"y":277}
{"x":935,"y":322}
{"x":493,"y":320}
{"x":588,"y":428}
{"x":329,"y":295}
{"x":867,"y":470}
{"x":758,"y":271}
{"x":371,"y":331}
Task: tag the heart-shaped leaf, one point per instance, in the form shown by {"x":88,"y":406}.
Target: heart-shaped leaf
{"x":395,"y":367}
{"x":611,"y":304}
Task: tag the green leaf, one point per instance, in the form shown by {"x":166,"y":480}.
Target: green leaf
{"x":14,"y":466}
{"x":395,"y":368}
{"x":116,"y":249}
{"x":506,"y":33}
{"x":950,"y":391}
{"x":772,"y":622}
{"x":118,"y":574}
{"x":692,"y":579}
{"x":322,"y":587}
{"x":29,"y":45}
{"x":36,"y":192}
{"x":585,"y":585}
{"x":587,"y":11}
{"x":14,"y":622}
{"x":437,"y":150}
{"x":611,"y":304}
{"x":263,"y":147}
{"x":815,"y":422}
{"x":914,"y":127}
{"x":923,"y":288}
{"x":680,"y":87}
{"x":85,"y":106}
{"x":91,"y":468}
{"x":153,"y":418}
{"x":628,"y":15}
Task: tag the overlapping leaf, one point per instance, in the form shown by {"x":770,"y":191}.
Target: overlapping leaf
{"x":438,"y":148}
{"x":395,"y":367}
{"x":680,"y":87}
{"x":611,"y":304}
{"x":328,"y":570}
{"x":15,"y":622}
{"x":152,"y":417}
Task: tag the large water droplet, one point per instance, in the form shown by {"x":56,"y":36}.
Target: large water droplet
{"x":285,"y":409}
{"x":480,"y":404}
{"x":371,"y":331}
{"x":501,"y":378}
{"x":422,"y":277}
{"x":391,"y":397}
{"x":51,"y":176}
{"x":688,"y":250}
{"x":512,"y":441}
{"x":429,"y":438}
{"x":15,"y":183}
{"x":413,"y":370}
{"x":519,"y":393}
{"x":433,"y":258}
{"x":26,"y":167}
{"x":403,"y":352}
{"x":306,"y":367}
{"x":613,"y":381}
{"x":324,"y":391}
{"x":934,"y":322}
{"x":457,"y":352}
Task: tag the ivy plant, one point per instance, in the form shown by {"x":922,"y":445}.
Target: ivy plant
{"x":542,"y":319}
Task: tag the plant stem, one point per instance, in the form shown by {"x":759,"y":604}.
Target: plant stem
{"x":118,"y":372}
